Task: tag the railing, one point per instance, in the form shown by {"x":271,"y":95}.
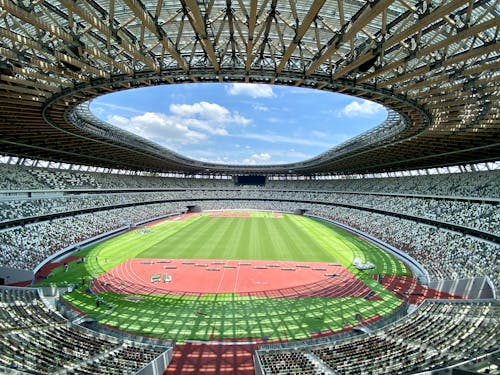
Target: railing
{"x":397,"y":315}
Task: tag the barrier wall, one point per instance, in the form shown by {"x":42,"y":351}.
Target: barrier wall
{"x":158,"y":365}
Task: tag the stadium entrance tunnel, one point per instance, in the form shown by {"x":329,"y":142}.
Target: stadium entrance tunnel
{"x":300,"y":211}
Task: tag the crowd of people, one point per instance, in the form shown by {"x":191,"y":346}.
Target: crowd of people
{"x":24,"y":247}
{"x":35,"y":339}
{"x":484,"y":217}
{"x":485,"y":184}
{"x":419,"y":341}
{"x":121,"y":201}
{"x":445,"y":254}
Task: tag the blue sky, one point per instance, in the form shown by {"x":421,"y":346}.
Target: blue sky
{"x":240,"y":123}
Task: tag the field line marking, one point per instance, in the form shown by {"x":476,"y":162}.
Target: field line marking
{"x":220,"y":280}
{"x":236,"y":281}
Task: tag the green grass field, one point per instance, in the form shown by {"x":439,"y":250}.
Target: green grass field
{"x":226,"y":316}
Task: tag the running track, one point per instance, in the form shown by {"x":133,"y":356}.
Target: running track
{"x":255,"y":278}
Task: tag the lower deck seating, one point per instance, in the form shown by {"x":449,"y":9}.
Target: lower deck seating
{"x":36,"y":339}
{"x":436,"y":335}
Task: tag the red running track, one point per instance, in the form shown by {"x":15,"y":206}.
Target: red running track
{"x":257,"y":278}
{"x":414,"y":293}
{"x":212,"y":359}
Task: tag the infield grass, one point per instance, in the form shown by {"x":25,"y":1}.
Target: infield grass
{"x":256,"y":238}
{"x":223,"y":316}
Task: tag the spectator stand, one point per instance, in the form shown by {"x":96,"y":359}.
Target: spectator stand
{"x":37,"y":339}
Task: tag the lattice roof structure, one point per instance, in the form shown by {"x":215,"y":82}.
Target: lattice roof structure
{"x":433,"y":63}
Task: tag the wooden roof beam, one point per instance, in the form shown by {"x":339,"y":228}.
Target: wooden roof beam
{"x":450,"y":61}
{"x":433,"y":47}
{"x":77,"y":62}
{"x":251,"y":29}
{"x":369,"y":13}
{"x":43,"y":77}
{"x":198,"y":25}
{"x":266,"y":27}
{"x":437,"y":13}
{"x":59,"y":55}
{"x":109,"y":60}
{"x":35,"y":21}
{"x":154,"y":28}
{"x":24,"y":90}
{"x":16,"y":102}
{"x":51,"y":68}
{"x":300,"y":32}
{"x":104,"y":29}
{"x":32,"y":84}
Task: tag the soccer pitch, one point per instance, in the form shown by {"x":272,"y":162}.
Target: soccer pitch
{"x":249,"y":236}
{"x":256,"y":237}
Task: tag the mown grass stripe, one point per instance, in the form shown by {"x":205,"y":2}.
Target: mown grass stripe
{"x":291,"y":238}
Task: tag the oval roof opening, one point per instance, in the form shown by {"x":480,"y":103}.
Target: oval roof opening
{"x":238,"y":123}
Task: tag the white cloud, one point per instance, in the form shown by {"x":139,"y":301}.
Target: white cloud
{"x":208,"y":116}
{"x":209,"y":127}
{"x":97,"y":107}
{"x":251,"y":89}
{"x":211,"y":111}
{"x":119,"y":121}
{"x":184,"y":124}
{"x":260,"y":108}
{"x":159,"y":128}
{"x":319,"y":134}
{"x":257,"y":158}
{"x":277,"y":138}
{"x":365,"y":108}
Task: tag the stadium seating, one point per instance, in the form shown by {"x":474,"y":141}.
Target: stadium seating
{"x":436,"y":335}
{"x":111,"y":201}
{"x":36,"y":339}
{"x":470,"y":184}
{"x":444,"y":253}
{"x":25,"y":247}
{"x":480,"y":216}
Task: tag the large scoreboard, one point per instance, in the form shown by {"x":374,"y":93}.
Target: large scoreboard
{"x":250,"y":180}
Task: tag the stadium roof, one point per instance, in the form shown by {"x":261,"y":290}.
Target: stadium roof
{"x":434,"y":64}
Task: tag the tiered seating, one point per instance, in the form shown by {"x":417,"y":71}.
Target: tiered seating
{"x":482,"y":216}
{"x":25,"y":303}
{"x":13,"y":177}
{"x":62,"y":180}
{"x":289,"y":362}
{"x":441,"y":334}
{"x":470,"y":184}
{"x":126,"y":359}
{"x":444,"y":254}
{"x":38,"y":340}
{"x":27,"y":246}
{"x":17,"y":209}
{"x":47,"y":349}
{"x":437,"y":335}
